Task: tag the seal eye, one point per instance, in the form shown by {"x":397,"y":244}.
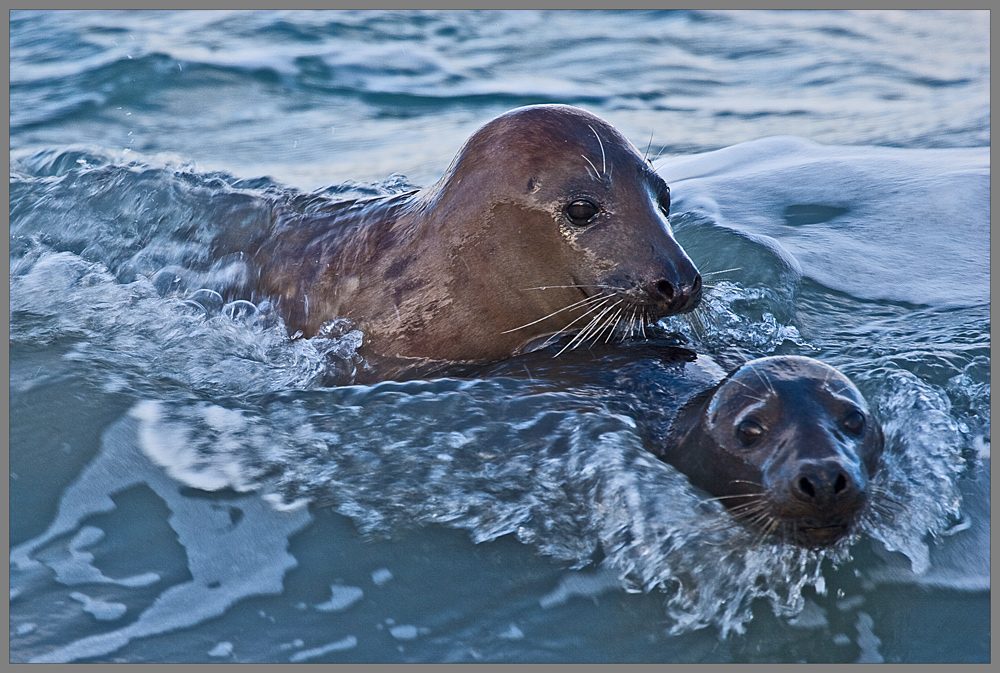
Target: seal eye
{"x":663,"y":201}
{"x":854,"y":422}
{"x":581,"y":212}
{"x":748,"y":432}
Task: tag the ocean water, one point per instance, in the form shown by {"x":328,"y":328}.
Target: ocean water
{"x":185,"y":486}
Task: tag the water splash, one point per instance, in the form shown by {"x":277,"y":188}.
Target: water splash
{"x":734,"y":317}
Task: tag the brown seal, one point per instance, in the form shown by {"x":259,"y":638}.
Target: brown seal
{"x":548,"y":220}
{"x":787,"y":443}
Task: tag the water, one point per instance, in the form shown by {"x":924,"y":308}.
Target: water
{"x":186,"y":487}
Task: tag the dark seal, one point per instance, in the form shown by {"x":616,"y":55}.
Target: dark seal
{"x":788,"y":444}
{"x":547,"y":221}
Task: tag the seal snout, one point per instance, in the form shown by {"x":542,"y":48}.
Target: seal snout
{"x":674,"y":297}
{"x":826,"y":497}
{"x":825,"y":484}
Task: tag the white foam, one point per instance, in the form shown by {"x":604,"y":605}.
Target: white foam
{"x":223,"y":649}
{"x":338,"y":646}
{"x":585,"y":584}
{"x":102,"y":610}
{"x":403,"y":632}
{"x":381,"y":577}
{"x":341,"y":598}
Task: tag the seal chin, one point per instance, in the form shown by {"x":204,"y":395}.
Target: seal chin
{"x":819,"y":536}
{"x":813,"y":528}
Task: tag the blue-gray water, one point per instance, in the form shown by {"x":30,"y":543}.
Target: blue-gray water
{"x":183,"y":487}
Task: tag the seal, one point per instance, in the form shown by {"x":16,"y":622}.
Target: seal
{"x":787,"y":443}
{"x":548,"y":220}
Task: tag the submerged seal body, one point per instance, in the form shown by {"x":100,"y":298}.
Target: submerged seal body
{"x":547,"y":220}
{"x":788,"y":444}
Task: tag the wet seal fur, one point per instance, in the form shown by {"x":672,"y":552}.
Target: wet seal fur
{"x":548,"y":220}
{"x":787,"y":443}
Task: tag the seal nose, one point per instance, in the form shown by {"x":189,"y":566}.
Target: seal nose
{"x":675,"y":297}
{"x":824,"y":484}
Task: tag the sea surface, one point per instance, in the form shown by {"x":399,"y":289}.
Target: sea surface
{"x":186,"y":486}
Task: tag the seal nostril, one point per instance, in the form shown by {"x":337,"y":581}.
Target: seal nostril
{"x":696,"y":285}
{"x":806,"y":487}
{"x":840,"y":484}
{"x":665,"y":288}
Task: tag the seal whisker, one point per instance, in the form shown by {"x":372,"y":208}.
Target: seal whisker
{"x":649,"y":145}
{"x":595,"y":306}
{"x":587,"y":313}
{"x":883,"y":495}
{"x":604,"y":162}
{"x":722,"y":524}
{"x":766,"y":531}
{"x":613,"y":322}
{"x":590,"y":326}
{"x":731,"y":495}
{"x":762,"y":375}
{"x":609,"y":324}
{"x":594,"y":299}
{"x":747,"y":386}
{"x":751,"y":512}
{"x":882,"y":505}
{"x":763,"y":528}
{"x":715,"y":273}
{"x":621,"y":323}
{"x":581,"y":287}
{"x":755,"y":515}
{"x":634,"y":321}
{"x":588,"y":330}
{"x":622,"y":326}
{"x":760,"y":521}
{"x":583,"y":301}
{"x":697,"y":326}
{"x":626,"y":331}
{"x":748,"y":483}
{"x":578,"y":338}
{"x":596,"y":174}
{"x":596,"y":326}
{"x":608,"y":319}
{"x":658,"y":155}
{"x":876,"y":515}
{"x":716,"y":521}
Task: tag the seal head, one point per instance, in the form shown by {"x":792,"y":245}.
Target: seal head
{"x":787,"y":443}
